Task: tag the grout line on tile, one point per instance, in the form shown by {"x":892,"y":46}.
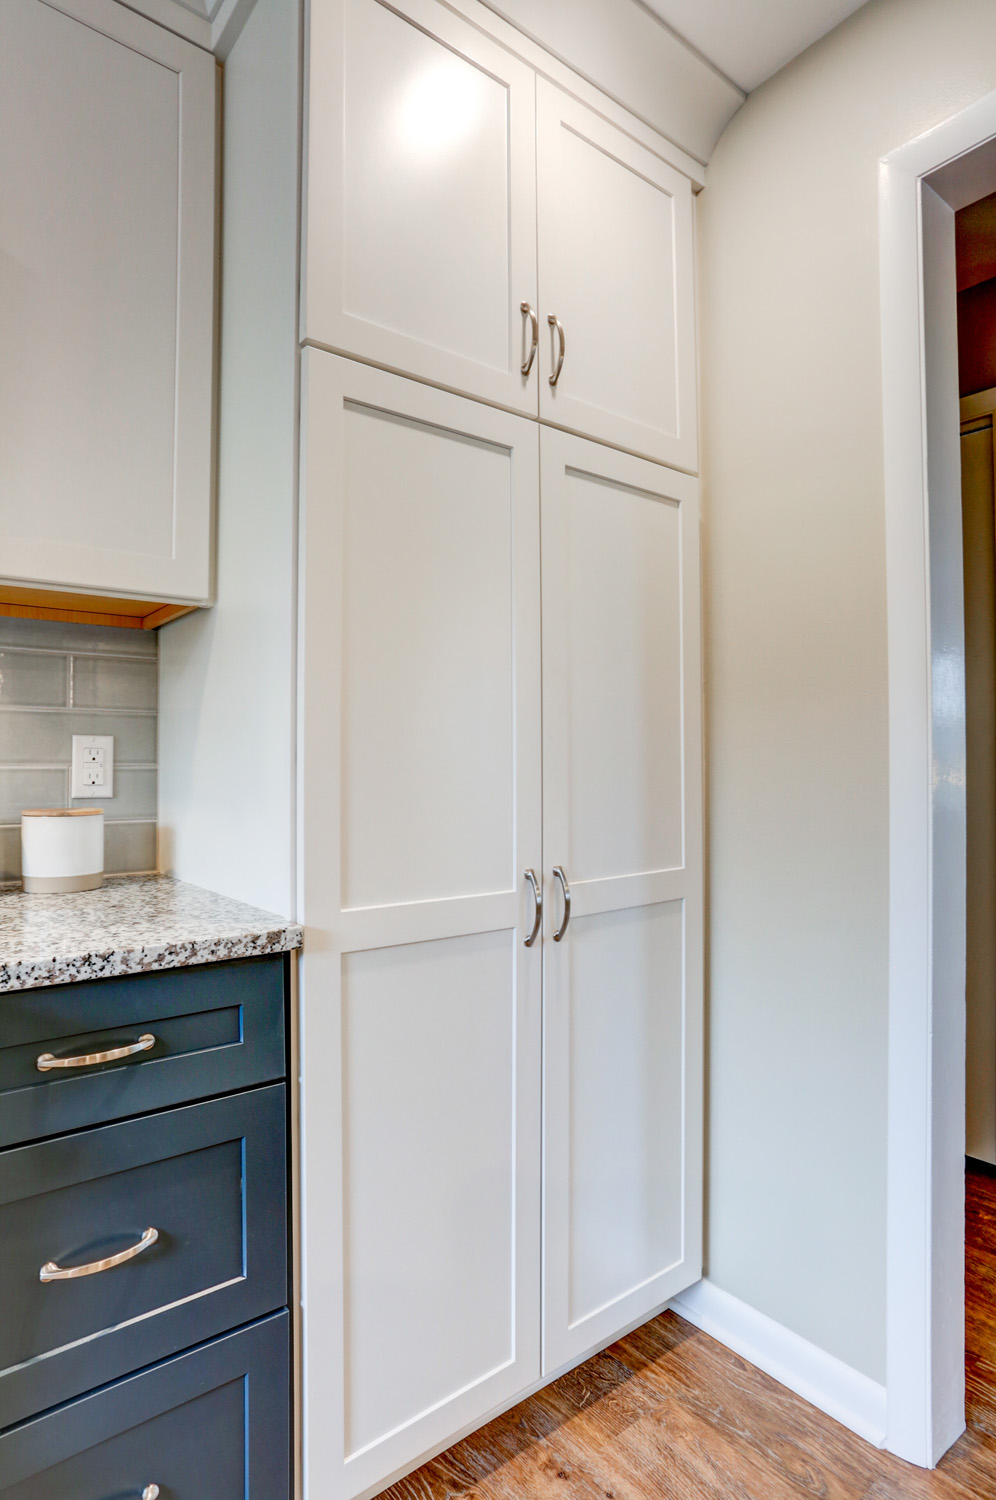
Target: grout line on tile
{"x":76,"y":709}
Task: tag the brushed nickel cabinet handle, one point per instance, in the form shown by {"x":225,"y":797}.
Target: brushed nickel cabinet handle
{"x":537,"y":907}
{"x":151,"y":1492}
{"x":528,"y":312}
{"x":46,"y":1062}
{"x":555,"y":322}
{"x":558,"y":874}
{"x":51,"y":1272}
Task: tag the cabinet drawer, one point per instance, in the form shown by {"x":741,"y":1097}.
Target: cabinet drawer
{"x":212,"y":1423}
{"x":210,"y":1179}
{"x":217,"y":1028}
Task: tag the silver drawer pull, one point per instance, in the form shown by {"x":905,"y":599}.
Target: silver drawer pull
{"x":151,"y":1492}
{"x":90,"y":1059}
{"x":51,"y":1272}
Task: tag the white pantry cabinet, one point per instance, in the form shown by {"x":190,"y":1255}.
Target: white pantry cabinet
{"x":420,"y":207}
{"x":429,"y":805}
{"x":434,"y":159}
{"x":420,"y":785}
{"x":615,"y":285}
{"x":107,"y":165}
{"x":622,"y":1097}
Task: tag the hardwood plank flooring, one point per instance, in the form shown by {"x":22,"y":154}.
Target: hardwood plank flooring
{"x":669,"y":1414}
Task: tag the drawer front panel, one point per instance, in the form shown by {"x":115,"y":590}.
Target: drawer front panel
{"x":217,"y":1028}
{"x":214,"y":1422}
{"x":209,"y":1179}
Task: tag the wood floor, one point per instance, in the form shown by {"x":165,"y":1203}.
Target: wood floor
{"x":669,"y":1414}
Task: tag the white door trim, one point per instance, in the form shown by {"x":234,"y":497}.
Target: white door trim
{"x":926,"y":1121}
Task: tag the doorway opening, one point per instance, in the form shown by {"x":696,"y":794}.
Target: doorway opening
{"x":942,"y":912}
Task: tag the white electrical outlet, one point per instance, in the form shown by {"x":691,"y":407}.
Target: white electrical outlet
{"x":93,"y":765}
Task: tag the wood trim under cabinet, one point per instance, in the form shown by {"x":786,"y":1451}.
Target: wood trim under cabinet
{"x":88,"y":609}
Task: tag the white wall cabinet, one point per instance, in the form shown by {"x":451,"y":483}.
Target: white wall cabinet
{"x":107,"y":161}
{"x":621,"y":819}
{"x":434,"y":159}
{"x":616,"y":272}
{"x":420,"y":243}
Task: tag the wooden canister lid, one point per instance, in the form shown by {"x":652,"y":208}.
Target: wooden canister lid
{"x":62,"y":812}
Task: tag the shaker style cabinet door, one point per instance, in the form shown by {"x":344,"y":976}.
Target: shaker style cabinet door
{"x":617,"y":345}
{"x":420,"y":240}
{"x":622,"y":824}
{"x":420,"y":1002}
{"x":107,"y":166}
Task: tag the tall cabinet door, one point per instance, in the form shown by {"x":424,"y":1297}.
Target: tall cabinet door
{"x":622,"y":820}
{"x":421,"y":1016}
{"x":616,"y":286}
{"x":420,"y":243}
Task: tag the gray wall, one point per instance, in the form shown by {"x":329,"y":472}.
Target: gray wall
{"x":58,"y":680}
{"x":227,"y":751}
{"x":797,"y":690}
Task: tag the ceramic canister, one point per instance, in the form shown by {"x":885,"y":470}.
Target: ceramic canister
{"x":62,"y":849}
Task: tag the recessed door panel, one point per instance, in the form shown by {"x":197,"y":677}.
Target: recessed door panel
{"x":428,"y":669}
{"x":420,"y":242}
{"x":622,"y":997}
{"x":620,"y":553}
{"x":615,"y":267}
{"x":429,"y":1181}
{"x":625,"y":1102}
{"x":421,"y":1011}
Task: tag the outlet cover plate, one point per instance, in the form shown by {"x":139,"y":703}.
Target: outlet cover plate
{"x":93,"y":753}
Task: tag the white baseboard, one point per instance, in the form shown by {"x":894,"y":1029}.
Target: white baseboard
{"x":843,"y":1393}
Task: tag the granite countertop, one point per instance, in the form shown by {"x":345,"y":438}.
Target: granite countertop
{"x":132,"y":924}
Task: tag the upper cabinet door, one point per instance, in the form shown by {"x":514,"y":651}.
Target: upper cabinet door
{"x":107,"y":166}
{"x":616,"y":270}
{"x":420,"y":243}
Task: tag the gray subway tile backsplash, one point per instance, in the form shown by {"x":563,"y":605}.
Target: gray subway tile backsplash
{"x":57,"y":680}
{"x":134,"y":794}
{"x":29,"y":738}
{"x":33,"y":679}
{"x":30,"y":786}
{"x":113,"y":682}
{"x":56,"y":635}
{"x":129,"y":848}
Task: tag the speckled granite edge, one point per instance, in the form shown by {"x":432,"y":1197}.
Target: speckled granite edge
{"x":58,"y":970}
{"x":135,"y":925}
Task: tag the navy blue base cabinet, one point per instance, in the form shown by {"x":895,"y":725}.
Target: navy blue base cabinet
{"x":213,"y":1424}
{"x":144,"y":1336}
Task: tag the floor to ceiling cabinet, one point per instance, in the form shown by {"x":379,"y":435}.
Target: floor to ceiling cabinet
{"x":622,"y":986}
{"x":470,"y":1054}
{"x":421,"y":1042}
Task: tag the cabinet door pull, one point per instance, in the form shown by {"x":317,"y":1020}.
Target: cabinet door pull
{"x":51,"y":1272}
{"x":46,"y":1062}
{"x":558,"y":873}
{"x":537,"y":907}
{"x":555,"y":322}
{"x":529,"y":312}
